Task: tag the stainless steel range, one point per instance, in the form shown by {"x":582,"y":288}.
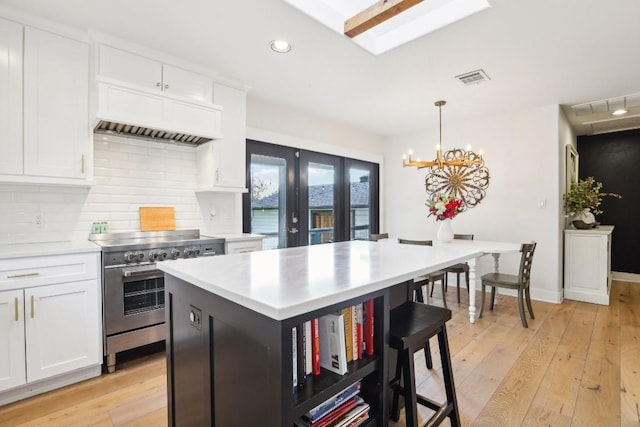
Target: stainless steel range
{"x":133,"y":288}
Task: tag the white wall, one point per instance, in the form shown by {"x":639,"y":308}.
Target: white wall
{"x":522,"y":153}
{"x":277,"y":124}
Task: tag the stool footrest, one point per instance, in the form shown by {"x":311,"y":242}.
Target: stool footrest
{"x":431,"y":404}
{"x":439,"y":416}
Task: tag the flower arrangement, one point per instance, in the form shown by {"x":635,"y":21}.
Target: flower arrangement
{"x":585,"y":194}
{"x":444,"y":207}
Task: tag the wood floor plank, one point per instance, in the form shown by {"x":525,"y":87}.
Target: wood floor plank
{"x":599,"y":397}
{"x":630,"y":355}
{"x":511,"y":400}
{"x":539,"y":416}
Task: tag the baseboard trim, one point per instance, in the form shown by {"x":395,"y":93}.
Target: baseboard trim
{"x":625,"y":277}
{"x":49,"y":384}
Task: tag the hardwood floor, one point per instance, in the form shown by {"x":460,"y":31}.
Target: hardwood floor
{"x":578,"y":364}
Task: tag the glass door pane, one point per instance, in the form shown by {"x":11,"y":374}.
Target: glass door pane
{"x":321,"y":197}
{"x":363,"y":205}
{"x":269,"y":205}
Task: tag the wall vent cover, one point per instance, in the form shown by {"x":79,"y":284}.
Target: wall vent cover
{"x":473,"y":77}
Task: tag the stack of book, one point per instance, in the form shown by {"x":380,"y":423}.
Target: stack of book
{"x":345,"y":409}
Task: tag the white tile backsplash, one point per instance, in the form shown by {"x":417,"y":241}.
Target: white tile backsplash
{"x":129,"y":174}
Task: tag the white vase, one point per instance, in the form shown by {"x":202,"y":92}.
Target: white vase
{"x":445,"y":233}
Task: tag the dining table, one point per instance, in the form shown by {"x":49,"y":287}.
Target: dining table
{"x":484,"y":247}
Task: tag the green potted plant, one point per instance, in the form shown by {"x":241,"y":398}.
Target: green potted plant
{"x":582,"y":202}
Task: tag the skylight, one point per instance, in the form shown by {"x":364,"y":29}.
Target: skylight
{"x":414,"y":22}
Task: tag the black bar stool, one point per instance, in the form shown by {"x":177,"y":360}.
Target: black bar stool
{"x":411,"y":326}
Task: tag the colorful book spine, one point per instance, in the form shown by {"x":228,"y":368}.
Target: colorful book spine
{"x":359,"y":331}
{"x":354,"y":332}
{"x":347,"y":312}
{"x":368,"y":328}
{"x":315,"y":346}
{"x":308,"y":350}
{"x":333,"y":352}
{"x":294,"y":350}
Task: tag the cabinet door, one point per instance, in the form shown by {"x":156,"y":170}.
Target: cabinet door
{"x":10,"y":97}
{"x":186,"y":84}
{"x":63,"y":328}
{"x":130,"y":68}
{"x":56,"y":105}
{"x":229,"y":151}
{"x":12,"y":366}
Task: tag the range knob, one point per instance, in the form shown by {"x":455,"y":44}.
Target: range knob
{"x":196,"y":251}
{"x":174,"y":254}
{"x":153,"y":255}
{"x":140,"y":256}
{"x":161,"y":256}
{"x":130,"y":257}
{"x":187,"y":252}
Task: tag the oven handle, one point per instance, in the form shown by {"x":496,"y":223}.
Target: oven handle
{"x":139,"y":271}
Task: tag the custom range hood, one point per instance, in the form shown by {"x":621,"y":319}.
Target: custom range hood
{"x":134,"y":113}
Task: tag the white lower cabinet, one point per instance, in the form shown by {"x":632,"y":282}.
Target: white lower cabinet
{"x":238,"y":247}
{"x":62,"y":328}
{"x":50,"y":323}
{"x":587,"y":264}
{"x":12,"y":349}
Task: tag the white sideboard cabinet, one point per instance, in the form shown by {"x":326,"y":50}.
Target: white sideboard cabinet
{"x":587,"y":264}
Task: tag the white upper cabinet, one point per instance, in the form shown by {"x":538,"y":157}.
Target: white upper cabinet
{"x":10,"y":97}
{"x":154,"y":75}
{"x":56,"y":105}
{"x":222,"y":163}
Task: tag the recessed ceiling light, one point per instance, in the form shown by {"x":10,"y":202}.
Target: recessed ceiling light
{"x":620,"y":112}
{"x":280,"y":46}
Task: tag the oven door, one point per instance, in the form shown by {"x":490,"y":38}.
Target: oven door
{"x":133,"y":298}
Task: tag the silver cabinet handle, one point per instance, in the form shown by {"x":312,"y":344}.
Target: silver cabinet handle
{"x":17,"y":313}
{"x":32,"y":308}
{"x":20,"y":276}
{"x":158,"y":84}
{"x":166,"y":86}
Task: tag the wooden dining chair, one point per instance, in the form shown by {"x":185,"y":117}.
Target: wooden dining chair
{"x":430,"y":278}
{"x":458,"y":269}
{"x":376,"y":237}
{"x":510,"y":281}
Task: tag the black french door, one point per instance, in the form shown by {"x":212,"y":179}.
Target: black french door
{"x":300,"y":197}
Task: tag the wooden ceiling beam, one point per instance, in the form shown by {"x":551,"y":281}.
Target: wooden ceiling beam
{"x":376,"y":14}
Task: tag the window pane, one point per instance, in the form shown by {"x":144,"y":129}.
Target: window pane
{"x":360,"y":204}
{"x":321,"y":203}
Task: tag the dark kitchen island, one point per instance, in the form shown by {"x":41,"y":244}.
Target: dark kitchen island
{"x":230,"y":321}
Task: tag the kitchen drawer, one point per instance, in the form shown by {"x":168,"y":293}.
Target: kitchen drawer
{"x":243,"y":246}
{"x":47,"y":270}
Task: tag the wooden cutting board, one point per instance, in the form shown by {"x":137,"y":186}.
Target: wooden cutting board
{"x":157,"y":218}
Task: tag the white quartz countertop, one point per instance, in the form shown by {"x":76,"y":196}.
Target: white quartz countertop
{"x":238,"y":237}
{"x":21,"y":250}
{"x":284,"y":283}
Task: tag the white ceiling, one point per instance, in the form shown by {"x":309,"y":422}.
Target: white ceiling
{"x":535,"y":52}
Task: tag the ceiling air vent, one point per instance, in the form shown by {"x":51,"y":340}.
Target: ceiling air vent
{"x":473,"y":77}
